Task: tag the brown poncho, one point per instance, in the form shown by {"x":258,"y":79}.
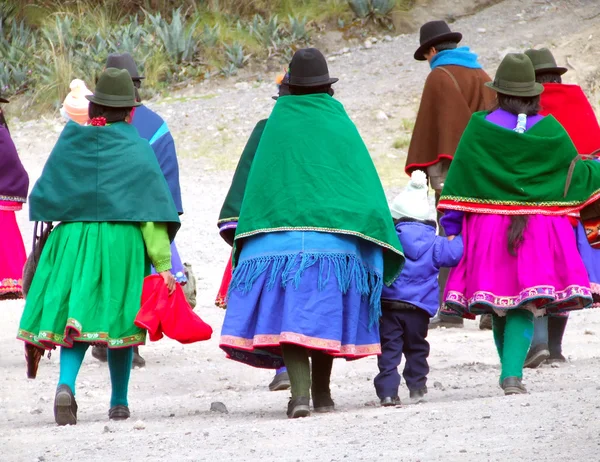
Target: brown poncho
{"x":445,"y":112}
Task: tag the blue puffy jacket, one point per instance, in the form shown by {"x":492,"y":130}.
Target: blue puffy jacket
{"x":425,"y":253}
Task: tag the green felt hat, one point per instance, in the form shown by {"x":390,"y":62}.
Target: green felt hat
{"x":544,"y":62}
{"x":515,"y":76}
{"x":114,"y":89}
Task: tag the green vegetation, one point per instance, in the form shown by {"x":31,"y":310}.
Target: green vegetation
{"x":45,"y":44}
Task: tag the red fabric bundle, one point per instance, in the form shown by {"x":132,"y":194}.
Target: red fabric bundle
{"x":221,"y":300}
{"x":171,"y":316}
{"x":569,"y":105}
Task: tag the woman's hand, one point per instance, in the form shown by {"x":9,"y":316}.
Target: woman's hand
{"x":169,"y":280}
{"x":451,"y":238}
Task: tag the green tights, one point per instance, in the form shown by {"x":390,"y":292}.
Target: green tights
{"x":296,"y":359}
{"x":119,"y":365}
{"x":512,"y":335}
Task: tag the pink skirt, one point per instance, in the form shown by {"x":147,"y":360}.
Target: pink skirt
{"x":12,"y":254}
{"x":547,"y":275}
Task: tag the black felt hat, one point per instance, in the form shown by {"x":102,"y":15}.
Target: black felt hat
{"x":124,"y":61}
{"x":544,"y":62}
{"x":309,"y":69}
{"x":432,"y":34}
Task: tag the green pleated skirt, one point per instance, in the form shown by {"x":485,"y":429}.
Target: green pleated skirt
{"x":87,"y":287}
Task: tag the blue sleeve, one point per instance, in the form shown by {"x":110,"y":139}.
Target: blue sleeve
{"x":164,"y":148}
{"x":447,"y":253}
{"x":452,"y":221}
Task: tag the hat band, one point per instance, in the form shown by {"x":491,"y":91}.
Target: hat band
{"x":509,"y":85}
{"x":114,"y":98}
{"x":302,"y":80}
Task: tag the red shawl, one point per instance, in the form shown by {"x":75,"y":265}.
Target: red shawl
{"x":569,"y":105}
{"x":169,"y":315}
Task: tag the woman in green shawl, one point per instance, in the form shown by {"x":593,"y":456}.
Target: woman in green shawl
{"x":314,"y":243}
{"x":104,"y":185}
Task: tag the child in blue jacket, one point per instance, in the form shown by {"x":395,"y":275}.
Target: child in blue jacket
{"x":409,"y":303}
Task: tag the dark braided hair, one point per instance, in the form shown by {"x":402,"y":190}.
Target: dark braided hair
{"x":111,"y":114}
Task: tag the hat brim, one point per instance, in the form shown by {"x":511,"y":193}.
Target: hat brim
{"x":551,"y":70}
{"x":139,"y":77}
{"x":107,"y":103}
{"x":449,"y":37}
{"x":314,"y":84}
{"x":4,"y":100}
{"x":538,"y":89}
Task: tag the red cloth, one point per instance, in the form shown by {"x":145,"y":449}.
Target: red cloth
{"x":172,"y":315}
{"x":221,"y":300}
{"x":569,"y":105}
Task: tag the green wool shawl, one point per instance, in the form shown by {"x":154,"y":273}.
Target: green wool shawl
{"x":499,"y":171}
{"x":312,"y":172}
{"x":233,"y":202}
{"x":103,"y":174}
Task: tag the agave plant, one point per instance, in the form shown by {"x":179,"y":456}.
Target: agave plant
{"x":298,"y":29}
{"x":366,"y":9}
{"x":235,"y":55}
{"x":177,"y":38}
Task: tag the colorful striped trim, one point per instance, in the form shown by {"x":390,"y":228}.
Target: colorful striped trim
{"x":227,"y":220}
{"x":544,"y":297}
{"x":464,"y":204}
{"x":72,"y":333}
{"x":9,"y":285}
{"x":332,"y":347}
{"x":13,"y":198}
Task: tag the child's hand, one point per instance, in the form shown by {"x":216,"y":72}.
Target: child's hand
{"x":450,"y":238}
{"x":169,"y":281}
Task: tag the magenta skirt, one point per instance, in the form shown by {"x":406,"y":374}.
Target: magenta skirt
{"x":547,"y":272}
{"x":12,"y":253}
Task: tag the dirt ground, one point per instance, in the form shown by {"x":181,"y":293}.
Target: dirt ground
{"x":466,"y":417}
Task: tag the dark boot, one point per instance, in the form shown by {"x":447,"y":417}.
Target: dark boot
{"x":298,"y":407}
{"x":138,"y":361}
{"x":485,"y":322}
{"x":65,"y":406}
{"x":536,"y":356}
{"x":443,"y":320}
{"x":280,"y":382}
{"x":100,"y":353}
{"x":556,"y":331}
{"x":418,"y":396}
{"x":391,"y":401}
{"x":513,"y":386}
{"x":119,"y":412}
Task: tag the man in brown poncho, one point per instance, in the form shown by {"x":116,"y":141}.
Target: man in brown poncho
{"x":453,"y":91}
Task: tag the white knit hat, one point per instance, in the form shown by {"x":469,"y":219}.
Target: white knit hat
{"x":413,"y":202}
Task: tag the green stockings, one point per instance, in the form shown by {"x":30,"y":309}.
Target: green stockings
{"x":296,"y":360}
{"x":512,"y":335}
{"x":119,"y":364}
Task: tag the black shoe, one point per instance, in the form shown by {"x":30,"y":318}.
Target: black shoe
{"x":138,"y":361}
{"x":513,"y":386}
{"x":391,"y":401}
{"x":418,"y":395}
{"x":556,"y":358}
{"x":536,"y":356}
{"x":280,"y":382}
{"x":485,"y":322}
{"x":119,"y":412}
{"x":65,"y":406}
{"x":322,"y":403}
{"x":298,"y":407}
{"x":100,"y":353}
{"x":446,"y":321}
